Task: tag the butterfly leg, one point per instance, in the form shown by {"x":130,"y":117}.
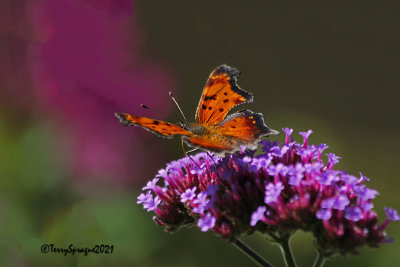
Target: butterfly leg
{"x":215,"y":164}
{"x":186,"y":154}
{"x":183,"y":148}
{"x":212,"y":158}
{"x":192,"y":150}
{"x":189,"y":151}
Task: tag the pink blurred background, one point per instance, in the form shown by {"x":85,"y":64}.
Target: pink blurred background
{"x":76,"y":63}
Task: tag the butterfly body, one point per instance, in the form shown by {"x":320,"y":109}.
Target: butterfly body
{"x":213,"y":129}
{"x":198,"y":129}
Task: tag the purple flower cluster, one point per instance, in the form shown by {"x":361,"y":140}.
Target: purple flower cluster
{"x":285,"y":188}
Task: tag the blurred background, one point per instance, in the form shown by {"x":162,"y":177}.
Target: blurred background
{"x":70,"y":173}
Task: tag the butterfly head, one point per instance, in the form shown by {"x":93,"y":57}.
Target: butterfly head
{"x":194,"y":128}
{"x":183,"y":125}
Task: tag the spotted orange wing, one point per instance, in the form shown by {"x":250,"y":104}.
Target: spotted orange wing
{"x":245,"y":126}
{"x":220,"y":95}
{"x":215,"y":143}
{"x":160,"y":128}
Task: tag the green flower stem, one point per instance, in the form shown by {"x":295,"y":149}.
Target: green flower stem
{"x":251,"y":253}
{"x":283,"y":241}
{"x":320,"y":260}
{"x":286,"y":251}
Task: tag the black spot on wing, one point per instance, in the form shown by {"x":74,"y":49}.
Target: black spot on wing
{"x":233,"y":74}
{"x":213,"y":97}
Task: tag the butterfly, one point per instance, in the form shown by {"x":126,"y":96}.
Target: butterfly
{"x":213,"y":130}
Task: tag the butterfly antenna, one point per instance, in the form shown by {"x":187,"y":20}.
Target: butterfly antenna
{"x":152,"y":109}
{"x":176,"y":103}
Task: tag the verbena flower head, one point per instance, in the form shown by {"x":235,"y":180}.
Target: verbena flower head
{"x":287,"y":187}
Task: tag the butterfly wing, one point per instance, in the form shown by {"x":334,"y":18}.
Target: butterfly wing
{"x":160,"y":128}
{"x":243,"y":128}
{"x":246,"y":127}
{"x":213,"y":143}
{"x":220,"y":95}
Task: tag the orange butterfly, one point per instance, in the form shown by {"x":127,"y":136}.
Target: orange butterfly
{"x":213,"y":130}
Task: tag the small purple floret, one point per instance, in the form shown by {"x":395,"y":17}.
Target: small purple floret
{"x":392,"y":214}
{"x":365,"y":192}
{"x":189,"y":194}
{"x":151,"y":204}
{"x":200,"y":203}
{"x":324,"y":214}
{"x":327,"y":178}
{"x":258,"y":215}
{"x":247,"y":159}
{"x":305,"y":137}
{"x":306,"y":134}
{"x":272,"y":192}
{"x":151,"y":184}
{"x":328,"y":203}
{"x":332,"y":160}
{"x":341,"y":202}
{"x":287,"y":131}
{"x":143,"y":198}
{"x":353,"y":213}
{"x":363,"y":178}
{"x":207,"y":222}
